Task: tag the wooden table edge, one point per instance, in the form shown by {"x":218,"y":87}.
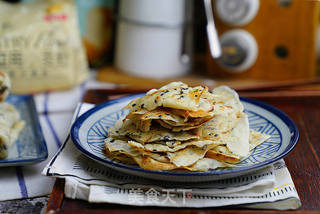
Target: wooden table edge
{"x":57,"y":196}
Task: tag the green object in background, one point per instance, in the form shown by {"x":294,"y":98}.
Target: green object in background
{"x":84,"y":6}
{"x":96,"y":25}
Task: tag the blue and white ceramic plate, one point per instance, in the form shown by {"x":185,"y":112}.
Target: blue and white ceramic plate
{"x":90,"y":129}
{"x":30,"y":147}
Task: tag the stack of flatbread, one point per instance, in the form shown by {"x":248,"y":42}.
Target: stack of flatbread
{"x":178,"y":127}
{"x":5,"y":86}
{"x":10,"y":123}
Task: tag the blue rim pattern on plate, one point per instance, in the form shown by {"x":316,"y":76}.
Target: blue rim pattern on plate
{"x":30,"y":146}
{"x":97,"y":132}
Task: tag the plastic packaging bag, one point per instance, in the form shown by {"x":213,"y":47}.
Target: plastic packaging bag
{"x":40,"y":45}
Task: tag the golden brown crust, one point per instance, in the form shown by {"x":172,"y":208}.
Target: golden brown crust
{"x":221,"y":157}
{"x":179,"y":127}
{"x":148,"y":163}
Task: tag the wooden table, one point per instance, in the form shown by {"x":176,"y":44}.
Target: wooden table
{"x":303,"y":162}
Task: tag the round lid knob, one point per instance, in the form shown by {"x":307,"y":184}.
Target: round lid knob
{"x":239,"y":50}
{"x":236,"y":12}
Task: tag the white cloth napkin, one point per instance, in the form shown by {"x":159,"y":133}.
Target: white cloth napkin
{"x":55,"y":110}
{"x":268,"y":188}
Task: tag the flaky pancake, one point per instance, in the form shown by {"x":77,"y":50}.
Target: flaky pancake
{"x":206,"y":164}
{"x":156,"y":133}
{"x":256,"y":138}
{"x":5,"y":86}
{"x":146,"y":162}
{"x":163,"y":147}
{"x":187,"y":156}
{"x":221,"y":153}
{"x":10,"y":127}
{"x":176,"y":95}
{"x":178,"y":127}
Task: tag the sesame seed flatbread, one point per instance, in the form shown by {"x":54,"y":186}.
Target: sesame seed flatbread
{"x":178,"y":127}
